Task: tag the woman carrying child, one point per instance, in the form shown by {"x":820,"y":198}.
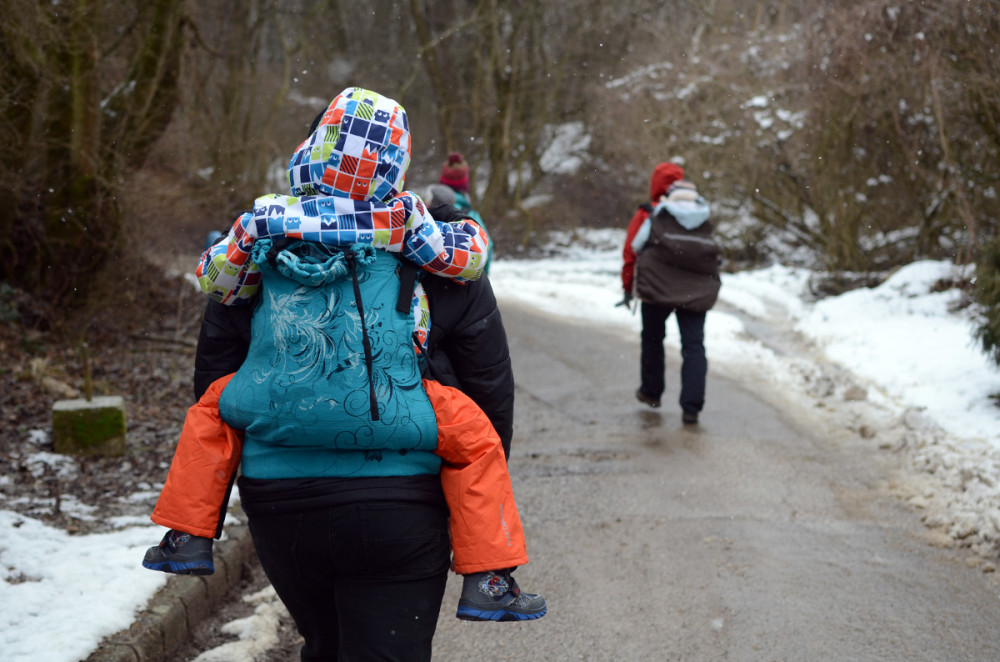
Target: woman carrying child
{"x":341,"y":461}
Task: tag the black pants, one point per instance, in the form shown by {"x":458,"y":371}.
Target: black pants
{"x":363,"y":581}
{"x":694,"y":365}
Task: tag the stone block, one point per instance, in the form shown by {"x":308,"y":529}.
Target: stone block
{"x":89,"y":427}
{"x":216,"y":585}
{"x":171,"y":616}
{"x":196,"y":601}
{"x":145,"y":636}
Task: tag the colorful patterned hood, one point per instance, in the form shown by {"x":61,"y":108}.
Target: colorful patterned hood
{"x":346,"y":181}
{"x":360,"y":150}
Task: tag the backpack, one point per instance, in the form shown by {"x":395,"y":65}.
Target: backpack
{"x":331,"y":375}
{"x":678,"y":267}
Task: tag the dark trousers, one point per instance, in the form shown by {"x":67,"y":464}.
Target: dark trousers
{"x":652,"y":364}
{"x":363,"y":581}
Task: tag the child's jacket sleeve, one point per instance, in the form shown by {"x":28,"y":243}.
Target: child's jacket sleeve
{"x":205,"y":461}
{"x":457,"y":250}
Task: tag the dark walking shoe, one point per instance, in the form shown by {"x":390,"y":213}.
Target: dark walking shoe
{"x":689,"y":418}
{"x":181,"y":554}
{"x":645,"y":399}
{"x":495,"y":596}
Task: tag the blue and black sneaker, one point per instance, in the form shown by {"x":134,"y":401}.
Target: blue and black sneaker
{"x":181,"y":554}
{"x":495,"y":596}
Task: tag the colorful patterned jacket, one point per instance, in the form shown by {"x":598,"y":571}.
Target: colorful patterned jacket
{"x":464,"y":205}
{"x":346,"y":180}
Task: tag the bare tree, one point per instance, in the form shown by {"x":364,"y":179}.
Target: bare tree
{"x":91,"y":88}
{"x":506,"y":72}
{"x":879,"y":162}
{"x":795,"y":118}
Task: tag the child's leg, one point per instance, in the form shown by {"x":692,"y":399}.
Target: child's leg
{"x":194,"y":496}
{"x":486,"y":531}
{"x":486,"y":534}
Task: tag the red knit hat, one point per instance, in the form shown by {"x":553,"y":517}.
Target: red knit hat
{"x":455,"y":172}
{"x":664,"y":175}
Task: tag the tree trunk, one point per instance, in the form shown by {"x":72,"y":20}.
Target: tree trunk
{"x":73,"y":147}
{"x":79,"y":233}
{"x":428,"y":55}
{"x":503,"y":69}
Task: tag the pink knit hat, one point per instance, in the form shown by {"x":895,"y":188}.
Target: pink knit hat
{"x":455,"y":172}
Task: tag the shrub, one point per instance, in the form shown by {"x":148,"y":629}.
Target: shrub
{"x":987,"y":294}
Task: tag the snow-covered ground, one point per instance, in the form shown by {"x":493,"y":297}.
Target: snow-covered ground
{"x":891,"y":365}
{"x":896,"y":364}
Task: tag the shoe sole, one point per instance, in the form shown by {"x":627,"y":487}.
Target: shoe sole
{"x":497,"y":615}
{"x":175,"y":568}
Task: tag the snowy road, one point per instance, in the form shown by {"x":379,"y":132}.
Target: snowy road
{"x":760,"y":535}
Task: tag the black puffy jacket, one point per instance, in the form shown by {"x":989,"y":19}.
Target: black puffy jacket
{"x":467,"y":346}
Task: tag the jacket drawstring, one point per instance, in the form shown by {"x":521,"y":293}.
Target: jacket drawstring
{"x":364,"y":333}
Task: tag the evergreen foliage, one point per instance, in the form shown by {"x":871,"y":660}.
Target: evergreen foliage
{"x":987,"y":293}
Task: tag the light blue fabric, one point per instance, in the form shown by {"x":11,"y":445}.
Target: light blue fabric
{"x":641,"y":236}
{"x":689,"y":213}
{"x":303,"y":395}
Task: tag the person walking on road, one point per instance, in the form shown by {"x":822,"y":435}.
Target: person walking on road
{"x":455,"y":175}
{"x":671,"y":264}
{"x":350,"y":528}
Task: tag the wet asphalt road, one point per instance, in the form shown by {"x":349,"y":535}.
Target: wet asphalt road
{"x":753,"y":536}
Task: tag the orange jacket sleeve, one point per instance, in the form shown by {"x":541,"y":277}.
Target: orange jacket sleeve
{"x":486,"y":532}
{"x":205,"y":461}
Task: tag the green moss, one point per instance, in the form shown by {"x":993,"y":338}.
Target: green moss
{"x":96,"y":427}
